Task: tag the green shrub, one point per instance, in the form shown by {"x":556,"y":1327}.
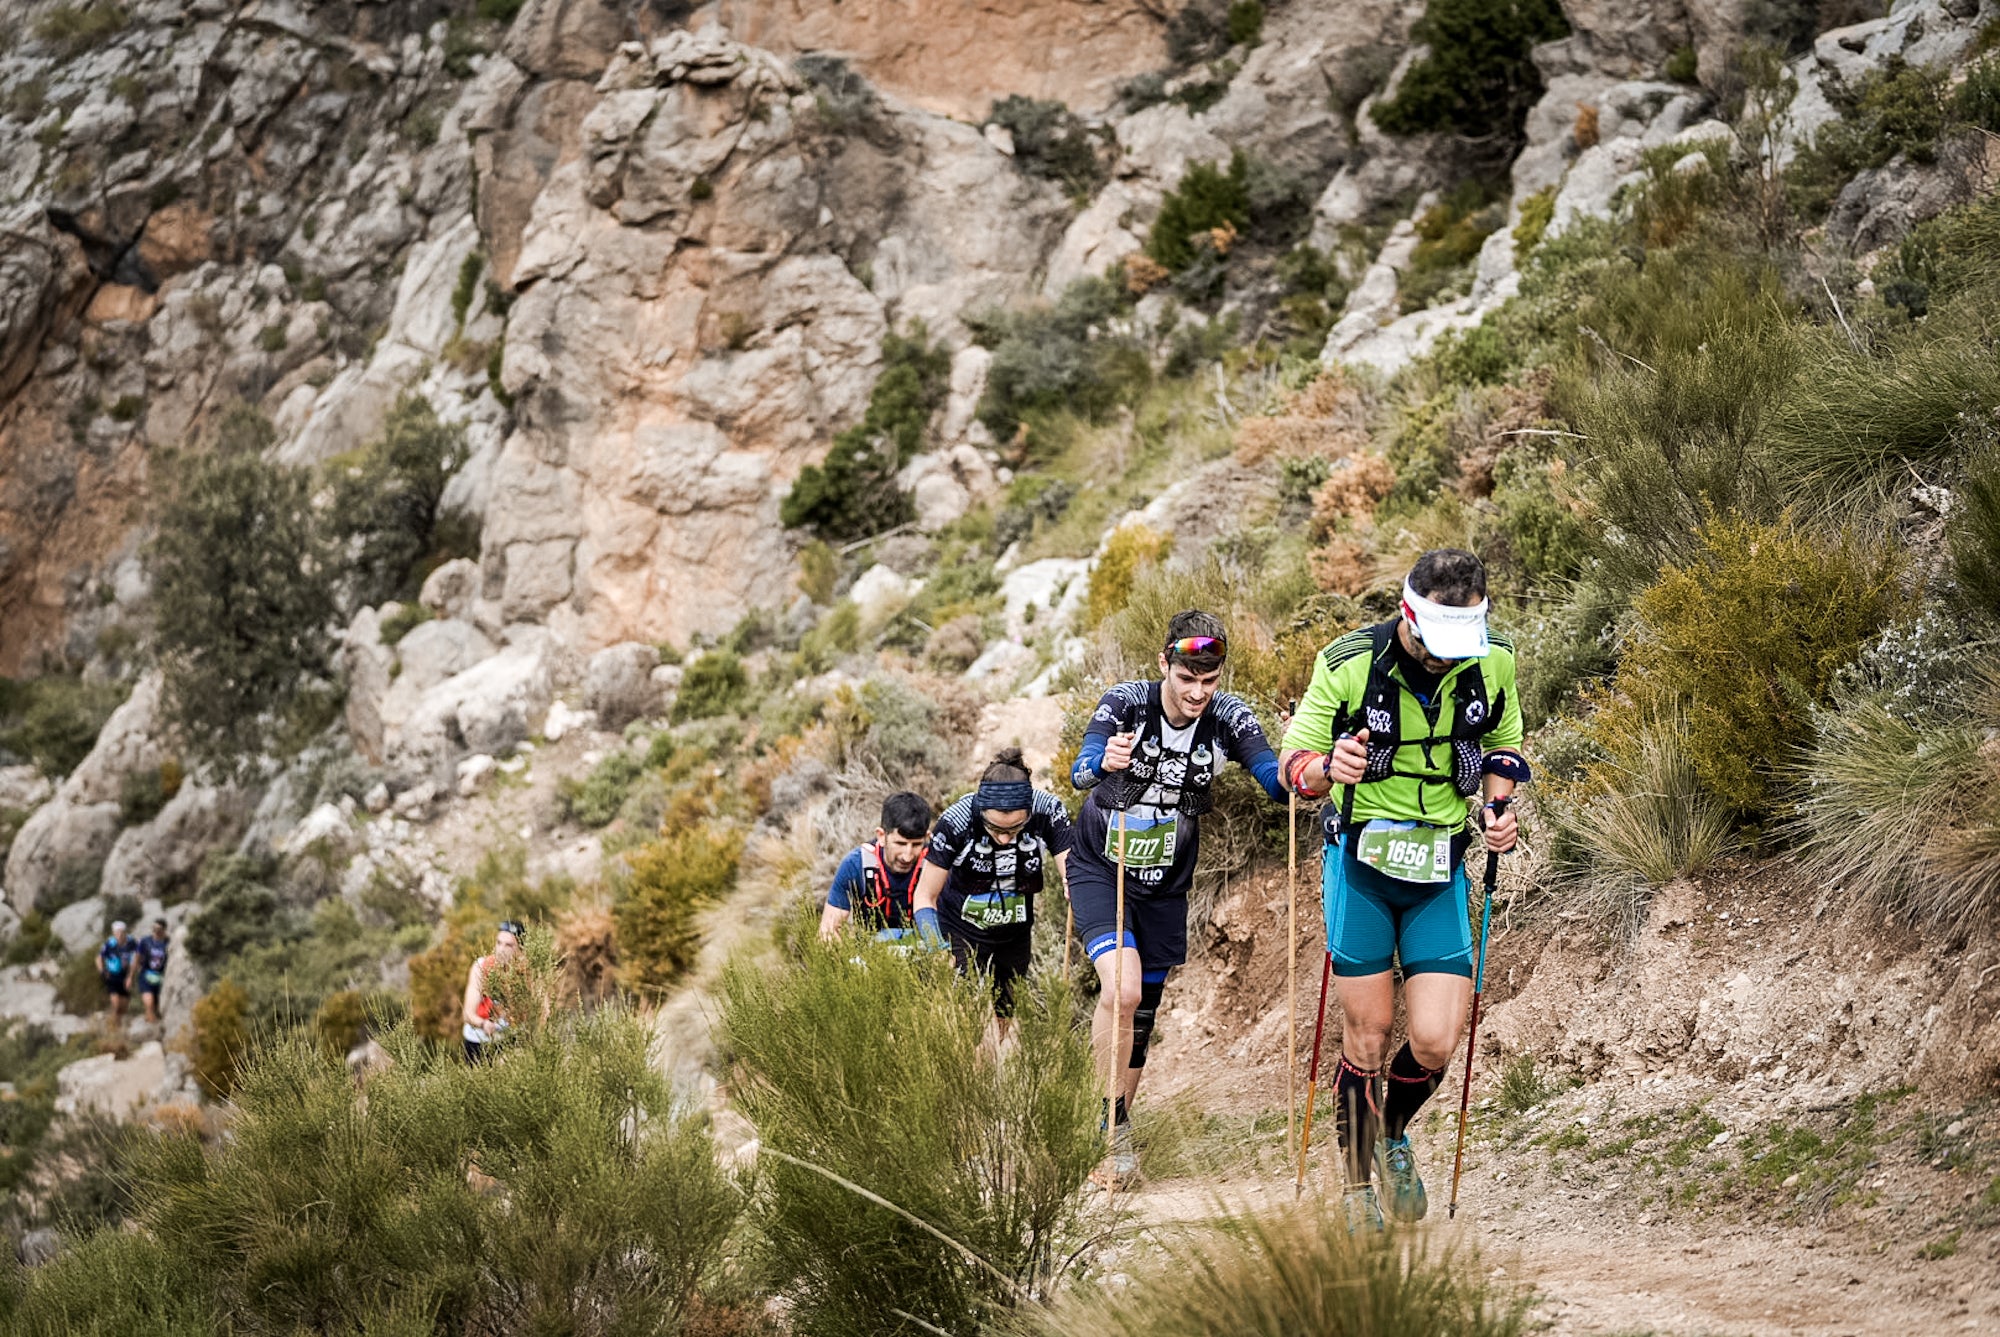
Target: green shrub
{"x":54,"y":721}
{"x":1050,"y":142}
{"x":993,"y":1156}
{"x":1682,"y":67}
{"x":77,"y":28}
{"x":1975,"y":534}
{"x":406,"y":619}
{"x":221,"y":1038}
{"x":31,"y":941}
{"x":1537,"y":212}
{"x":385,"y":501}
{"x":1060,"y":357}
{"x":79,"y":988}
{"x":664,"y":886}
{"x":467,"y":286}
{"x":1208,"y":198}
{"x":1130,"y":549}
{"x":1906,"y":813}
{"x":894,"y":729}
{"x":1899,"y":108}
{"x":1246,"y":23}
{"x":239,"y":909}
{"x":1290,"y":1271}
{"x":563,"y":1190}
{"x":1944,"y":256}
{"x":842,"y":96}
{"x":1538,"y":516}
{"x":109,"y":1283}
{"x":714,"y":684}
{"x":853,"y":492}
{"x":241,"y":591}
{"x":1749,"y":637}
{"x":1477,"y":79}
{"x":1450,"y":234}
{"x":596,"y":799}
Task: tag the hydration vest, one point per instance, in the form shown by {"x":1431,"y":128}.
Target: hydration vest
{"x":1195,"y":795}
{"x":1473,"y":716}
{"x":115,"y":955}
{"x":878,"y":896}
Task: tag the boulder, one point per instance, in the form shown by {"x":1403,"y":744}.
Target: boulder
{"x":127,"y":743}
{"x":487,"y":708}
{"x":60,"y":837}
{"x":563,"y":720}
{"x":945,"y":484}
{"x":618,"y":683}
{"x":38,"y":1246}
{"x":415,"y":802}
{"x":1040,"y":586}
{"x":999,"y":665}
{"x":473,"y":773}
{"x":28,"y":995}
{"x":23,"y":788}
{"x":166,"y":853}
{"x":78,"y":926}
{"x":449,"y":591}
{"x":880,"y":594}
{"x":10,"y":924}
{"x":368,"y":663}
{"x":326,"y":826}
{"x":430,"y":653}
{"x":119,"y":1088}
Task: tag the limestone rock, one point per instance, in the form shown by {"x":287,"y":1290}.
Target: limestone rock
{"x":436,"y":650}
{"x":119,"y":1088}
{"x":325,"y":826}
{"x":945,"y":484}
{"x":77,"y":927}
{"x":487,"y":708}
{"x":166,"y":853}
{"x":880,"y":593}
{"x":473,"y":773}
{"x":60,"y":839}
{"x":10,"y":924}
{"x":449,"y":591}
{"x":1041,"y":587}
{"x":1881,"y":204}
{"x":1000,"y":665}
{"x":563,"y":721}
{"x":618,"y":683}
{"x":127,"y":744}
{"x":43,"y":280}
{"x":23,"y":788}
{"x":414,"y":803}
{"x":28,"y":995}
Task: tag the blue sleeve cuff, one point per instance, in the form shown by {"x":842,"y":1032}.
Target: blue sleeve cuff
{"x":1265,"y":767}
{"x":1088,"y":769}
{"x":929,"y":931}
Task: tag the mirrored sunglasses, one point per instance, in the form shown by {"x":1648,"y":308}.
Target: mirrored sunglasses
{"x":1198,"y":645}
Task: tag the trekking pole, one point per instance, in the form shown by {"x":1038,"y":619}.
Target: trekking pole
{"x":1117,"y":1016}
{"x":1472,"y":1031}
{"x":1312,"y":1082}
{"x":1292,"y":977}
{"x":1069,"y":930}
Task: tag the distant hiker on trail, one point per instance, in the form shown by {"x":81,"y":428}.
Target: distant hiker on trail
{"x":484,"y":1018}
{"x":114,"y":967}
{"x":873,"y":883}
{"x":1152,"y":751}
{"x":1408,"y":719}
{"x":988,"y":859}
{"x":151,"y":952}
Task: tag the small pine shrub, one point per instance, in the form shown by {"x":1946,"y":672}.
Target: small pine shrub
{"x":1130,"y":550}
{"x":242,"y":585}
{"x":994,"y":1156}
{"x":1065,"y":357}
{"x":714,"y":684}
{"x":665,"y":885}
{"x":1748,"y":637}
{"x":385,"y":501}
{"x":1897,"y":109}
{"x":239,"y":908}
{"x":221,"y":1042}
{"x":1478,"y":78}
{"x":1208,"y":199}
{"x":853,"y":492}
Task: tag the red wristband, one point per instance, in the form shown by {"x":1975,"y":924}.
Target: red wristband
{"x":1295,"y":771}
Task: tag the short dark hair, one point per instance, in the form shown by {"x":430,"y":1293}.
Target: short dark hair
{"x":907,"y":814}
{"x":1449,"y":576}
{"x":1194,"y":622}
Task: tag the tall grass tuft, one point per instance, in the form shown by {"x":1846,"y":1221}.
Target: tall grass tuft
{"x":1641,"y":820}
{"x":858,"y":1063}
{"x":1293,"y":1273}
{"x":557,"y":1189}
{"x":1905,"y":813}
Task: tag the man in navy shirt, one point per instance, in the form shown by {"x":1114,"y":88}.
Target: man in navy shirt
{"x":1150,"y":757}
{"x":872,"y":884}
{"x":151,"y":958}
{"x":114,"y":967}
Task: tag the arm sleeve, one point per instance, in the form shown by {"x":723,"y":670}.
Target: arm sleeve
{"x":1510,"y":730}
{"x":1062,"y":835}
{"x":846,"y":882}
{"x":1106,"y":720}
{"x":1243,"y":738}
{"x":1312,"y":727}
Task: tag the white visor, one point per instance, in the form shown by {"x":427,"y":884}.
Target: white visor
{"x":1447,"y":631}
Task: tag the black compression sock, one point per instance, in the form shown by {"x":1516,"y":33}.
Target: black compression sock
{"x":1357,"y":1120}
{"x":1410,"y":1085}
{"x":1123,"y":1115}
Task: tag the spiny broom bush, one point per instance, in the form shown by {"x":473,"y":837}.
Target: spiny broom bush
{"x":560,"y":1189}
{"x":1747,"y":637}
{"x":1291,"y":1273}
{"x":1906,"y":813}
{"x":666,"y":885}
{"x":868,"y":1065}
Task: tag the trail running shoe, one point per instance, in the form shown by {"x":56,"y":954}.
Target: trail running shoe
{"x":1363,"y":1212}
{"x":1405,"y":1187}
{"x":1121,"y":1168}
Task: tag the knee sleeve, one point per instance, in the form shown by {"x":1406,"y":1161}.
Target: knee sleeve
{"x":1152,"y":985}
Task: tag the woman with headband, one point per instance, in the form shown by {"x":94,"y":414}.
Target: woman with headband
{"x":988,"y":858}
{"x":1151,"y":752}
{"x":1409,"y":720}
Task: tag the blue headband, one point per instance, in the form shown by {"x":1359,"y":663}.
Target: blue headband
{"x":1004,"y":795}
